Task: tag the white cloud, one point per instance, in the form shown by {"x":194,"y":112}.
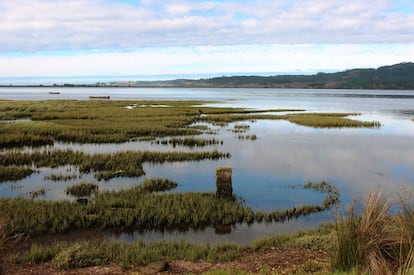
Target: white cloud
{"x":41,"y":25}
{"x":177,"y":9}
{"x":208,"y":59}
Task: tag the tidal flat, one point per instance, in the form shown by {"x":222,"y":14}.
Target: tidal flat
{"x":299,"y":164}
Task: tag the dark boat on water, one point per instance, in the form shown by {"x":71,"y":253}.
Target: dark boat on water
{"x":100,"y":97}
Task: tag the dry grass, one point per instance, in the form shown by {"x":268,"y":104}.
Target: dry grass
{"x":375,"y":241}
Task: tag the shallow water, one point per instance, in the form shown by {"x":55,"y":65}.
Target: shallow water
{"x":356,"y":161}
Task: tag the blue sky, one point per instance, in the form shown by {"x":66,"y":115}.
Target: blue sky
{"x":155,"y":37}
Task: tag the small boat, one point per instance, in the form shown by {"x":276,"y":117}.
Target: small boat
{"x":100,"y":97}
{"x":54,"y":93}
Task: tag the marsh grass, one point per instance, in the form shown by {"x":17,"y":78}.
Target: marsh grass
{"x":91,"y":253}
{"x":110,"y":122}
{"x":143,"y":207}
{"x":321,"y":238}
{"x":158,"y":185}
{"x":375,"y":241}
{"x":317,"y":120}
{"x":84,"y":189}
{"x":100,"y":121}
{"x":14,"y":173}
{"x":330,"y":120}
{"x":189,"y":142}
{"x":13,"y":164}
{"x":61,"y":177}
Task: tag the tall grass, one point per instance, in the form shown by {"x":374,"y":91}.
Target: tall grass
{"x":374,"y":240}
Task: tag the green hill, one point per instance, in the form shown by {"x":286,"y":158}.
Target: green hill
{"x":398,"y":76}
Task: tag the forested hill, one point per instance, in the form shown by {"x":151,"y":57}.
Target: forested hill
{"x":398,"y":76}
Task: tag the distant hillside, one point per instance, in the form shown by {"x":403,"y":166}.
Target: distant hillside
{"x":398,"y":76}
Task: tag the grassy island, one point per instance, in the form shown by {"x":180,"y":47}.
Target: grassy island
{"x":39,"y":123}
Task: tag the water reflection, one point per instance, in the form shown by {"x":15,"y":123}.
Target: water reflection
{"x":242,"y":234}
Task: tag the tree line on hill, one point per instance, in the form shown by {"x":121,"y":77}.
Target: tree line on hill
{"x":398,"y":76}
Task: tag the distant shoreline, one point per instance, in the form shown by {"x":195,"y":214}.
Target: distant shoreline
{"x":394,"y":77}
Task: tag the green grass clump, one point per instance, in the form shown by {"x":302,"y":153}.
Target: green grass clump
{"x":321,"y":238}
{"x":14,"y":173}
{"x":158,"y":185}
{"x":105,"y":166}
{"x":82,"y":189}
{"x":330,"y":120}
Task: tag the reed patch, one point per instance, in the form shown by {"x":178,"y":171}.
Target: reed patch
{"x":84,"y":189}
{"x":14,"y":164}
{"x":144,"y":207}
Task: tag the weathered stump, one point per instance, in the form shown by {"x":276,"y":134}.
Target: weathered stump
{"x":224,"y":189}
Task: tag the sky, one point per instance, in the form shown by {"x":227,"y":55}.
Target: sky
{"x":63,"y":38}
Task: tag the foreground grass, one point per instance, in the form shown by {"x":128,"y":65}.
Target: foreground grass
{"x":373,"y":240}
{"x":110,"y":122}
{"x":65,"y":255}
{"x":145,"y":207}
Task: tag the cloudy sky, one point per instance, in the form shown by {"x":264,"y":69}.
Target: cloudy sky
{"x":154,"y":37}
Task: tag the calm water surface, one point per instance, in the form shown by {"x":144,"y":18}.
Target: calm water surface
{"x":264,"y":170}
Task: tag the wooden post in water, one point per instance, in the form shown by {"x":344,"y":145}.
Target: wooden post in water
{"x":224,"y":189}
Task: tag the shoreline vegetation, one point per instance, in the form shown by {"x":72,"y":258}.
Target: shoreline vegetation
{"x":367,"y":241}
{"x":393,"y":77}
